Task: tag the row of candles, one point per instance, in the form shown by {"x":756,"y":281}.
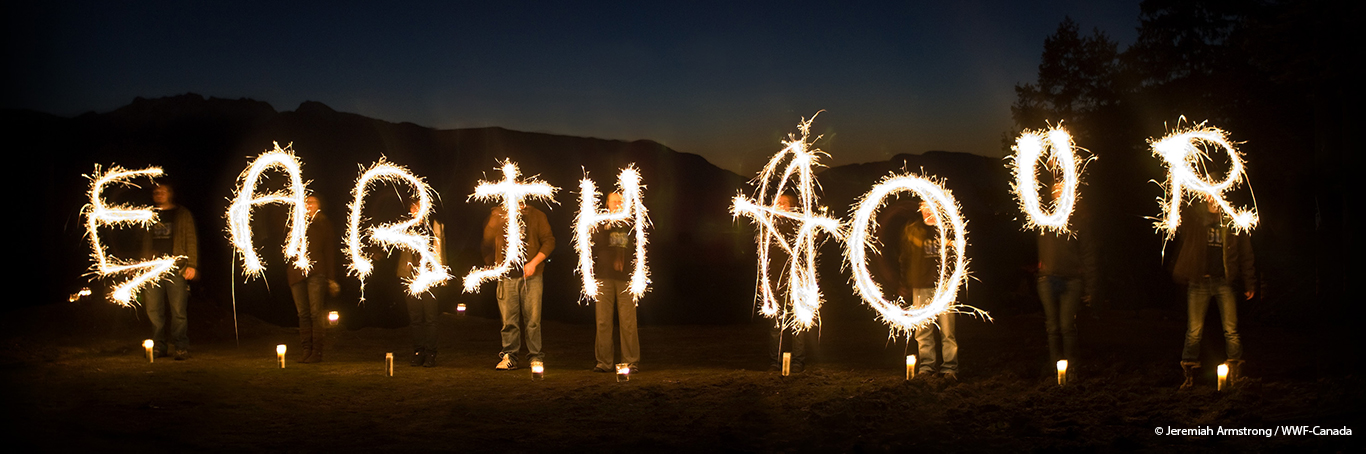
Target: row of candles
{"x":624,"y":370}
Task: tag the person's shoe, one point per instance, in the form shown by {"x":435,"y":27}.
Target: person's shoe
{"x":419,"y":357}
{"x":634,"y":369}
{"x":315,"y":356}
{"x":430,"y":361}
{"x":1189,"y":369}
{"x":1235,"y":371}
{"x":507,"y":363}
{"x":181,"y":355}
{"x":160,"y":354}
{"x":601,"y":370}
{"x":775,"y":367}
{"x":797,"y":368}
{"x":949,"y":376}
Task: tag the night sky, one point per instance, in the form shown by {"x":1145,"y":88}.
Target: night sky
{"x":725,"y":80}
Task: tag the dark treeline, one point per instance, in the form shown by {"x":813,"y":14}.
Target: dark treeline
{"x":1275,"y":75}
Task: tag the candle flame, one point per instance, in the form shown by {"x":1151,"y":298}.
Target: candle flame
{"x":97,"y":214}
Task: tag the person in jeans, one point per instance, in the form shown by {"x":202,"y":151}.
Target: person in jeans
{"x":519,"y":294}
{"x":1211,"y":259}
{"x":919,"y":261}
{"x":1067,"y":275}
{"x":310,"y":287}
{"x":612,"y":248}
{"x":172,"y":235}
{"x":422,"y":309}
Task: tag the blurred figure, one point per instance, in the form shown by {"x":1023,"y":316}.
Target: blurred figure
{"x":422,"y":309}
{"x":519,"y":295}
{"x":173,"y":234}
{"x":787,"y":231}
{"x":1212,"y":257}
{"x":1067,"y":276}
{"x":919,"y":272}
{"x":612,"y":248}
{"x":308,"y":287}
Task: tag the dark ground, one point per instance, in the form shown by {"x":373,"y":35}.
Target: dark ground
{"x":76,"y":378}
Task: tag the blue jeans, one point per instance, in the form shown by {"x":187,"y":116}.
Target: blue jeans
{"x":308,"y":301}
{"x":519,"y":299}
{"x":1197,"y":299}
{"x":1061,"y":296}
{"x":615,"y":304}
{"x":929,"y":349}
{"x":173,"y":290}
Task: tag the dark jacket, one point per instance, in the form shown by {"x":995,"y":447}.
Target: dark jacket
{"x":1071,"y":256}
{"x":1191,"y":259}
{"x":322,"y":251}
{"x":184,"y":241}
{"x":919,"y":255}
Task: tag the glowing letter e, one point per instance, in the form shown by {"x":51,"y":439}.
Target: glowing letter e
{"x":98,"y":214}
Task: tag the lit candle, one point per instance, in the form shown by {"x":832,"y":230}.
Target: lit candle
{"x":460,"y":308}
{"x":787,"y":363}
{"x":537,"y":370}
{"x":333,"y":317}
{"x":623,"y":372}
{"x":910,"y":367}
{"x":280,"y":352}
{"x":147,"y":344}
{"x":1223,"y":376}
{"x":1062,"y":372}
{"x":389,"y":363}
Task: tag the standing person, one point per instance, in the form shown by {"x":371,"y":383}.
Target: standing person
{"x":787,"y":230}
{"x":1067,"y":271}
{"x":173,"y":234}
{"x":611,"y":251}
{"x":1211,"y":259}
{"x":919,"y":271}
{"x":422,"y":309}
{"x":308,"y":287}
{"x":519,"y":294}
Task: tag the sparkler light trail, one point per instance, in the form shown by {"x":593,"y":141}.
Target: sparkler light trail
{"x":804,"y":299}
{"x":514,"y":195}
{"x":97,"y":214}
{"x":952,"y":231}
{"x":1029,"y":150}
{"x":408,"y":234}
{"x":239,"y":214}
{"x":1185,"y":149}
{"x":589,"y":219}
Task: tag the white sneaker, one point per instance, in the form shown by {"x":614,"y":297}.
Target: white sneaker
{"x":507,"y":363}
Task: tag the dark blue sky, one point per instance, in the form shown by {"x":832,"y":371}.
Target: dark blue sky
{"x":725,"y":80}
